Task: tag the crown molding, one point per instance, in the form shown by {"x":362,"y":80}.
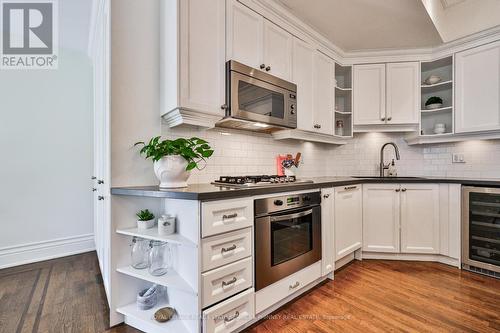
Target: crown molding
{"x":276,"y":12}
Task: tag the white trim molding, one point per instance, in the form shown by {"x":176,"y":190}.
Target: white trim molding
{"x":39,"y":251}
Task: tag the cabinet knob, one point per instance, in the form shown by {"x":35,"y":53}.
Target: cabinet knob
{"x":268,"y":68}
{"x":223,"y":106}
{"x":326,"y":196}
{"x":100,"y":198}
{"x":94,"y":189}
{"x":100,"y":181}
{"x":93,"y":177}
{"x":397,"y":190}
{"x":262,"y":66}
{"x":389,"y":119}
{"x":382,"y":119}
{"x":403,"y":190}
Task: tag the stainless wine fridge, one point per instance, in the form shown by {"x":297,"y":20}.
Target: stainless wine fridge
{"x":481,"y":230}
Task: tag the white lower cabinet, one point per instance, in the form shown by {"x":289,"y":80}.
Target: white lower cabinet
{"x":381,"y":217}
{"x":226,"y":281}
{"x":348,"y":218}
{"x":270,"y":295}
{"x":401,"y":218}
{"x":420,"y":218}
{"x":223,"y":249}
{"x":327,"y":229}
{"x":231,"y":314}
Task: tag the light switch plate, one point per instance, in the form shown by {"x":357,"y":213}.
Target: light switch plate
{"x":458,"y":158}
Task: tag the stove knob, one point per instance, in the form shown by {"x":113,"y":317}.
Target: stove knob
{"x":278,"y":202}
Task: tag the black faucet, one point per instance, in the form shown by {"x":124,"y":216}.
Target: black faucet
{"x":384,"y":166}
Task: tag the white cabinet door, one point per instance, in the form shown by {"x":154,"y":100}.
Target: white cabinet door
{"x":323,"y":90}
{"x":202,"y":56}
{"x":369,"y":94}
{"x":244,"y":34}
{"x":403,"y":92}
{"x":348,"y":220}
{"x":381,"y":217}
{"x":302,"y":76}
{"x":327,"y":229}
{"x":420,"y":218}
{"x":478,"y":89}
{"x":277,"y":51}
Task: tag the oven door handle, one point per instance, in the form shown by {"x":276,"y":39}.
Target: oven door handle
{"x":291,"y":216}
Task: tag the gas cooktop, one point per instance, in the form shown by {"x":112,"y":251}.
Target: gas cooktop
{"x":257,"y":181}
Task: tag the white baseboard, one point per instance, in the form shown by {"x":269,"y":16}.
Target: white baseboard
{"x":45,"y":250}
{"x":413,"y":257}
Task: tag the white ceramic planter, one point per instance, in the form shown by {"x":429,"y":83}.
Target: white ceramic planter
{"x":171,"y":171}
{"x":145,"y":224}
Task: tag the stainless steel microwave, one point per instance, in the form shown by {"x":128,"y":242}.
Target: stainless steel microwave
{"x":258,"y":100}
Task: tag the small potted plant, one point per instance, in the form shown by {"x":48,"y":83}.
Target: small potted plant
{"x":145,"y":219}
{"x":434,"y":102}
{"x":173,"y":160}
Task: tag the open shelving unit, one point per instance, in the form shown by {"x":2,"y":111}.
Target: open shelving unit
{"x":343,"y":99}
{"x":444,"y":89}
{"x":152,"y":234}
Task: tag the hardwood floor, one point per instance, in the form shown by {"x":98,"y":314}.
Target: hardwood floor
{"x":67,"y":295}
{"x":394,"y":296}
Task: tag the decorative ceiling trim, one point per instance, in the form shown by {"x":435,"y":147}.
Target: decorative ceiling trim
{"x":450,"y":3}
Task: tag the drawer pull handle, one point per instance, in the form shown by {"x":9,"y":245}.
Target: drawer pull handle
{"x":230,"y":216}
{"x":230,"y":282}
{"x":295,"y":285}
{"x":326,"y":196}
{"x":403,"y":190}
{"x":350,"y":187}
{"x":230,"y":319}
{"x":228,"y":249}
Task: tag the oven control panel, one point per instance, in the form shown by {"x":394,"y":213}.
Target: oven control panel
{"x":275,"y":204}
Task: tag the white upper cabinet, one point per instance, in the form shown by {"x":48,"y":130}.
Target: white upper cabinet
{"x":381,"y":217}
{"x":302,"y":76}
{"x":478,"y":89}
{"x":348,"y":220}
{"x":257,"y":42}
{"x":277,"y":51}
{"x":403,"y":92}
{"x":192,"y":62}
{"x":420,"y":218}
{"x":244,"y":35}
{"x":323,"y":93}
{"x":369,"y":94}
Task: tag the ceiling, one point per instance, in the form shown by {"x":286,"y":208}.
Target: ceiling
{"x":360,"y":25}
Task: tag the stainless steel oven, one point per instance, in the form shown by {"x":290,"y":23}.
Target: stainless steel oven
{"x":287,"y":236}
{"x":259,"y":98}
{"x":481,"y":230}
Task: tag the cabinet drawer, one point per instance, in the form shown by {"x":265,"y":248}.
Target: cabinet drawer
{"x":226,"y":281}
{"x":230,"y":314}
{"x":270,"y":295}
{"x":226,"y":248}
{"x":226,"y":215}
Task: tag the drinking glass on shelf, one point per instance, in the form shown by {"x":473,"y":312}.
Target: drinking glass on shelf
{"x":139,"y":253}
{"x":160,"y":258}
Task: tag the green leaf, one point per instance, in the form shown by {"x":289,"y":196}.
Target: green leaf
{"x":191,"y":166}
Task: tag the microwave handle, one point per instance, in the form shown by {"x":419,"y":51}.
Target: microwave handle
{"x":291,"y":216}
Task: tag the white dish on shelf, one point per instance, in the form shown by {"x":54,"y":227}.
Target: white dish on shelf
{"x":434,"y":106}
{"x":433,"y":79}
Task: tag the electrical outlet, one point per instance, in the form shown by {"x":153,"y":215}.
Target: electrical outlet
{"x":458,"y":158}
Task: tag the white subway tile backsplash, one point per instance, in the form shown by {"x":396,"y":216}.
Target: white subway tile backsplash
{"x":254,"y":153}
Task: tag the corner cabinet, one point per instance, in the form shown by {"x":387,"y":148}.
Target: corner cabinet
{"x":323,"y":93}
{"x":386,"y":96}
{"x":420,"y":218}
{"x":401,"y":218}
{"x":381,"y":218}
{"x":369,"y":94}
{"x":477,"y":91}
{"x":192,"y":62}
{"x":348,"y":220}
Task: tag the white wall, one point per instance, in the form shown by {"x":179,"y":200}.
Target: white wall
{"x":46,"y":144}
{"x":241,"y":153}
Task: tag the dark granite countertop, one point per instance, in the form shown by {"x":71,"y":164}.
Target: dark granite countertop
{"x":212,"y":192}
